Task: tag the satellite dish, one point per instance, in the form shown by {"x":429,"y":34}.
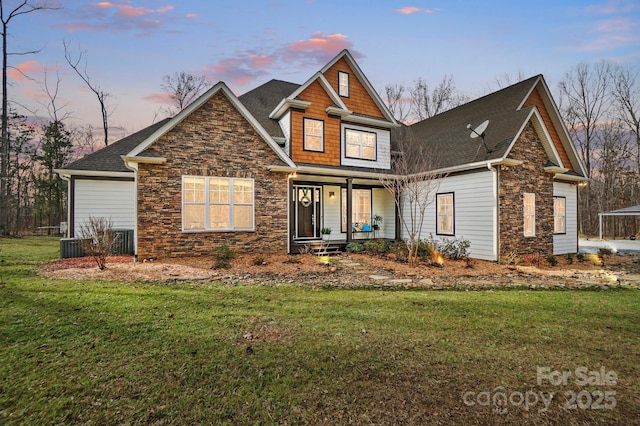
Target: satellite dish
{"x":479,"y":131}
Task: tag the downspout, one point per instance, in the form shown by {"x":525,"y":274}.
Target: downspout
{"x":496,"y":210}
{"x":134,"y":168}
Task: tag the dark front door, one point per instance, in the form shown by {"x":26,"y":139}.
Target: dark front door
{"x":307,"y":212}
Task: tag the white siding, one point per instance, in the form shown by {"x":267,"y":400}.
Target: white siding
{"x":331,"y":212}
{"x":384,"y":205}
{"x":115,"y":200}
{"x":474,"y":212}
{"x":383,"y":145}
{"x":285,"y":125}
{"x":567,"y":243}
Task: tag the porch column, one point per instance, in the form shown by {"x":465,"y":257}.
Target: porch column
{"x":349,"y":209}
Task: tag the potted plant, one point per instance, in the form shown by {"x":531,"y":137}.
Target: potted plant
{"x":325,"y":233}
{"x":377,"y":220}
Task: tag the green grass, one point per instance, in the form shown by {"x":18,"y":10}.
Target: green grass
{"x":112,"y":353}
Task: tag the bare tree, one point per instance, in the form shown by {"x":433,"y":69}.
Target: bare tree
{"x":101,"y":95}
{"x":398,"y":105}
{"x":427,"y":102}
{"x":184,"y":87}
{"x":505,"y":79}
{"x":626,"y":92}
{"x":413,"y":182}
{"x":23,"y":8}
{"x":584,"y":103}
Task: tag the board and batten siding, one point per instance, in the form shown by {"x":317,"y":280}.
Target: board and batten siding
{"x":383,"y":148}
{"x":567,"y":243}
{"x":114,"y":200}
{"x":474,"y":212}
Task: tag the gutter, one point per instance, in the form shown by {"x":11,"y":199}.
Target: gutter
{"x":98,"y":173}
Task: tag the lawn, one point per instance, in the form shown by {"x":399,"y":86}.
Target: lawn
{"x":95,"y":352}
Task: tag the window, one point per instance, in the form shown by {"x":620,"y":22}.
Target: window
{"x":444,"y":212}
{"x":343,"y":84}
{"x":360,"y":144}
{"x":360,"y":210}
{"x":559,"y":215}
{"x":313,"y":135}
{"x":217,"y":204}
{"x":529,"y":215}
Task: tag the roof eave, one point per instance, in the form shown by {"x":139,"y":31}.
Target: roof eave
{"x":94,"y":173}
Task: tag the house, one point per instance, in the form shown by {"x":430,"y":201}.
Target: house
{"x":266,"y":171}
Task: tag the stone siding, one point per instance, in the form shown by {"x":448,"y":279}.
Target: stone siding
{"x":215,"y":140}
{"x":529,"y":177}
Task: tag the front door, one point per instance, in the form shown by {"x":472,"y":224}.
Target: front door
{"x":307,"y":211}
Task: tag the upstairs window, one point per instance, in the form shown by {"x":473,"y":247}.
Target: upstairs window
{"x":343,"y":84}
{"x":360,"y":144}
{"x":313,"y":135}
{"x":444,"y":209}
{"x":529,"y":214}
{"x":217,"y":204}
{"x":559,"y":215}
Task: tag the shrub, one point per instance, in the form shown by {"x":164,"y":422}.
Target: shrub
{"x":453,"y":248}
{"x":97,"y":239}
{"x":510,"y":259}
{"x":570,"y":258}
{"x":426,"y":250}
{"x":580,"y":257}
{"x":400,"y":250}
{"x":532,"y":259}
{"x":223,"y":257}
{"x":292,"y":259}
{"x":259,"y":261}
{"x":551,"y":260}
{"x":376,"y":247}
{"x":354,"y":247}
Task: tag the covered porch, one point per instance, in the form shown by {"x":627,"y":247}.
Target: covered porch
{"x":354,"y":209}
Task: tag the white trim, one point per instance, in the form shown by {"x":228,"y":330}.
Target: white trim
{"x":221,"y":86}
{"x":145,"y":160}
{"x":555,"y":169}
{"x":207,"y":204}
{"x":570,"y":178}
{"x":284,"y":105}
{"x":331,"y":110}
{"x":95,"y":173}
{"x":353,"y":118}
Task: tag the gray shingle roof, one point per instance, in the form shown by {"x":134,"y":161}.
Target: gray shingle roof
{"x":262,"y":100}
{"x":448,"y":135}
{"x":108,"y":158}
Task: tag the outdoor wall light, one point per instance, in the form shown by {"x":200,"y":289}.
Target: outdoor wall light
{"x":332,"y":195}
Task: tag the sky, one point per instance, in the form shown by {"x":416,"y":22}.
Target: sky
{"x":129,"y":45}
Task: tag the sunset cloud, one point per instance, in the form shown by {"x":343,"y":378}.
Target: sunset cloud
{"x":22,"y":71}
{"x":318,"y":49}
{"x":246,"y":67}
{"x":611,"y":7}
{"x":410,"y":10}
{"x":159,"y":98}
{"x":109,"y":16}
